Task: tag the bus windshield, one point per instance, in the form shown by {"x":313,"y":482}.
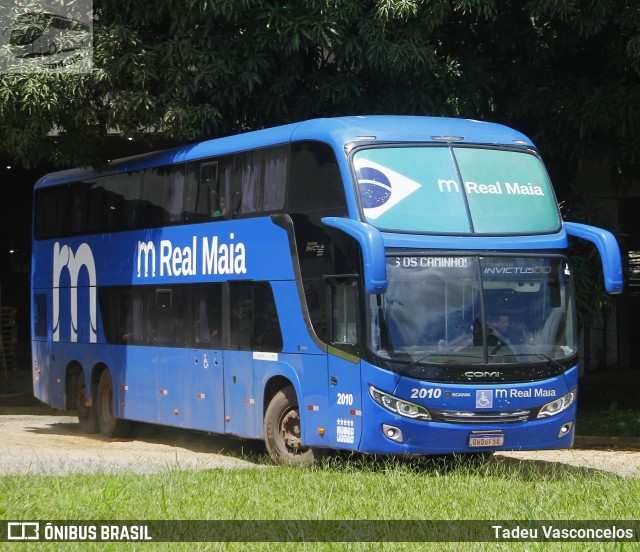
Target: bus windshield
{"x":458,"y":190}
{"x":474,"y":310}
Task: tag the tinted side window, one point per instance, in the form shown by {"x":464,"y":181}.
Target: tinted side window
{"x":240,"y":316}
{"x":344,"y":311}
{"x":163,"y":191}
{"x":315,"y":292}
{"x":187,"y":315}
{"x":253,"y":324}
{"x":206,"y":315}
{"x":143,"y":199}
{"x":115,"y":206}
{"x":122,"y":313}
{"x":261,"y":180}
{"x":98,"y":211}
{"x":79,"y":211}
{"x":267,"y":335}
{"x":166,"y":316}
{"x":51,"y":212}
{"x":209,"y":189}
{"x":40,"y":315}
{"x":122,"y":200}
{"x":315,"y":183}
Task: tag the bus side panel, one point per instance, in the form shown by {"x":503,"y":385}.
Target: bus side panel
{"x":173,"y":368}
{"x":41,"y":370}
{"x":170,"y":386}
{"x":135,"y":380}
{"x":247,"y":375}
{"x":56,"y":374}
{"x":204,"y":397}
{"x":239,"y":395}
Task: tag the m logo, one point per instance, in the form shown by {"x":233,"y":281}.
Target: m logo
{"x":381,"y":188}
{"x":148,"y":249}
{"x":64,"y":259}
{"x":449,"y":185}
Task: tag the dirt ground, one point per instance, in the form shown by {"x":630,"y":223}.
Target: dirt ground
{"x":37,"y":439}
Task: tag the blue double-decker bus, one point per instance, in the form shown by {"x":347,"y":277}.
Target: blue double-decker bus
{"x":389,"y":285}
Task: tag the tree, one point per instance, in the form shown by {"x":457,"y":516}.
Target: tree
{"x":566,"y":72}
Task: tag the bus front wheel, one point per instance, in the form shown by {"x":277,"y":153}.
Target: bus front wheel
{"x":282,"y":432}
{"x":87,"y":418}
{"x":109,"y":424}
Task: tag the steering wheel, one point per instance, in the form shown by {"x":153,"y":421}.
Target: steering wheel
{"x":499,"y":343}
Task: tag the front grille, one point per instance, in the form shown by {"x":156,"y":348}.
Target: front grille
{"x":464,"y":417}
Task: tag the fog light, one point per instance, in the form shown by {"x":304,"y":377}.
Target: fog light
{"x":565,"y":429}
{"x":392,"y":433}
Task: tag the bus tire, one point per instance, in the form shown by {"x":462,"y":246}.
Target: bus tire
{"x":108,"y":423}
{"x":87,"y":418}
{"x":282,"y":432}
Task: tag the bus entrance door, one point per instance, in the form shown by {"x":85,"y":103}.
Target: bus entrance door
{"x":345,"y":402}
{"x":345,"y":405}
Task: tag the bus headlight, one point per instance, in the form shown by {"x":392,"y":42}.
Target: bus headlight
{"x":399,"y":406}
{"x":558,"y":405}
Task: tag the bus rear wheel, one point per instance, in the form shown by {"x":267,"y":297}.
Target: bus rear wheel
{"x":109,"y":424}
{"x":87,"y":418}
{"x":282,"y":432}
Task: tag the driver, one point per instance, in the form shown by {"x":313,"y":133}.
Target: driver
{"x":500,"y":331}
{"x":501,"y":327}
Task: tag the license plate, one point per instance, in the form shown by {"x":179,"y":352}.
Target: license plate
{"x":479,"y":440}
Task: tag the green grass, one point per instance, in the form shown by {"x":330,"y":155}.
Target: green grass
{"x":342,"y":488}
{"x":611,"y":413}
{"x":610,"y":421}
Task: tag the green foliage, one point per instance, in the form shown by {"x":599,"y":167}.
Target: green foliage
{"x":577,"y":85}
{"x":564,"y":71}
{"x":592,"y":301}
{"x":611,"y":420}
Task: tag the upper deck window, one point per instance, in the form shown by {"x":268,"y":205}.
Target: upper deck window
{"x":459,"y":190}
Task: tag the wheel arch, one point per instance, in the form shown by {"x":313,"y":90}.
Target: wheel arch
{"x":96,"y":372}
{"x":73,"y":372}
{"x":273,"y":385}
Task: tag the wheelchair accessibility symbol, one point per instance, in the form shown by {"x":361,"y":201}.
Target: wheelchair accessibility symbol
{"x":484,"y":398}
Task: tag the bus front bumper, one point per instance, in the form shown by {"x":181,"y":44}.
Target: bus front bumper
{"x":393,"y":434}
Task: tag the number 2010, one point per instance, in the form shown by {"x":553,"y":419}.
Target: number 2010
{"x":345,"y":398}
{"x":423,"y":393}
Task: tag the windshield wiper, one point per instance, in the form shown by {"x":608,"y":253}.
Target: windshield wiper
{"x":419,"y":360}
{"x":557,"y":365}
{"x":451,"y":356}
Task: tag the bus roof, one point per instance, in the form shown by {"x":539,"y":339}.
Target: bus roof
{"x":338,"y":132}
